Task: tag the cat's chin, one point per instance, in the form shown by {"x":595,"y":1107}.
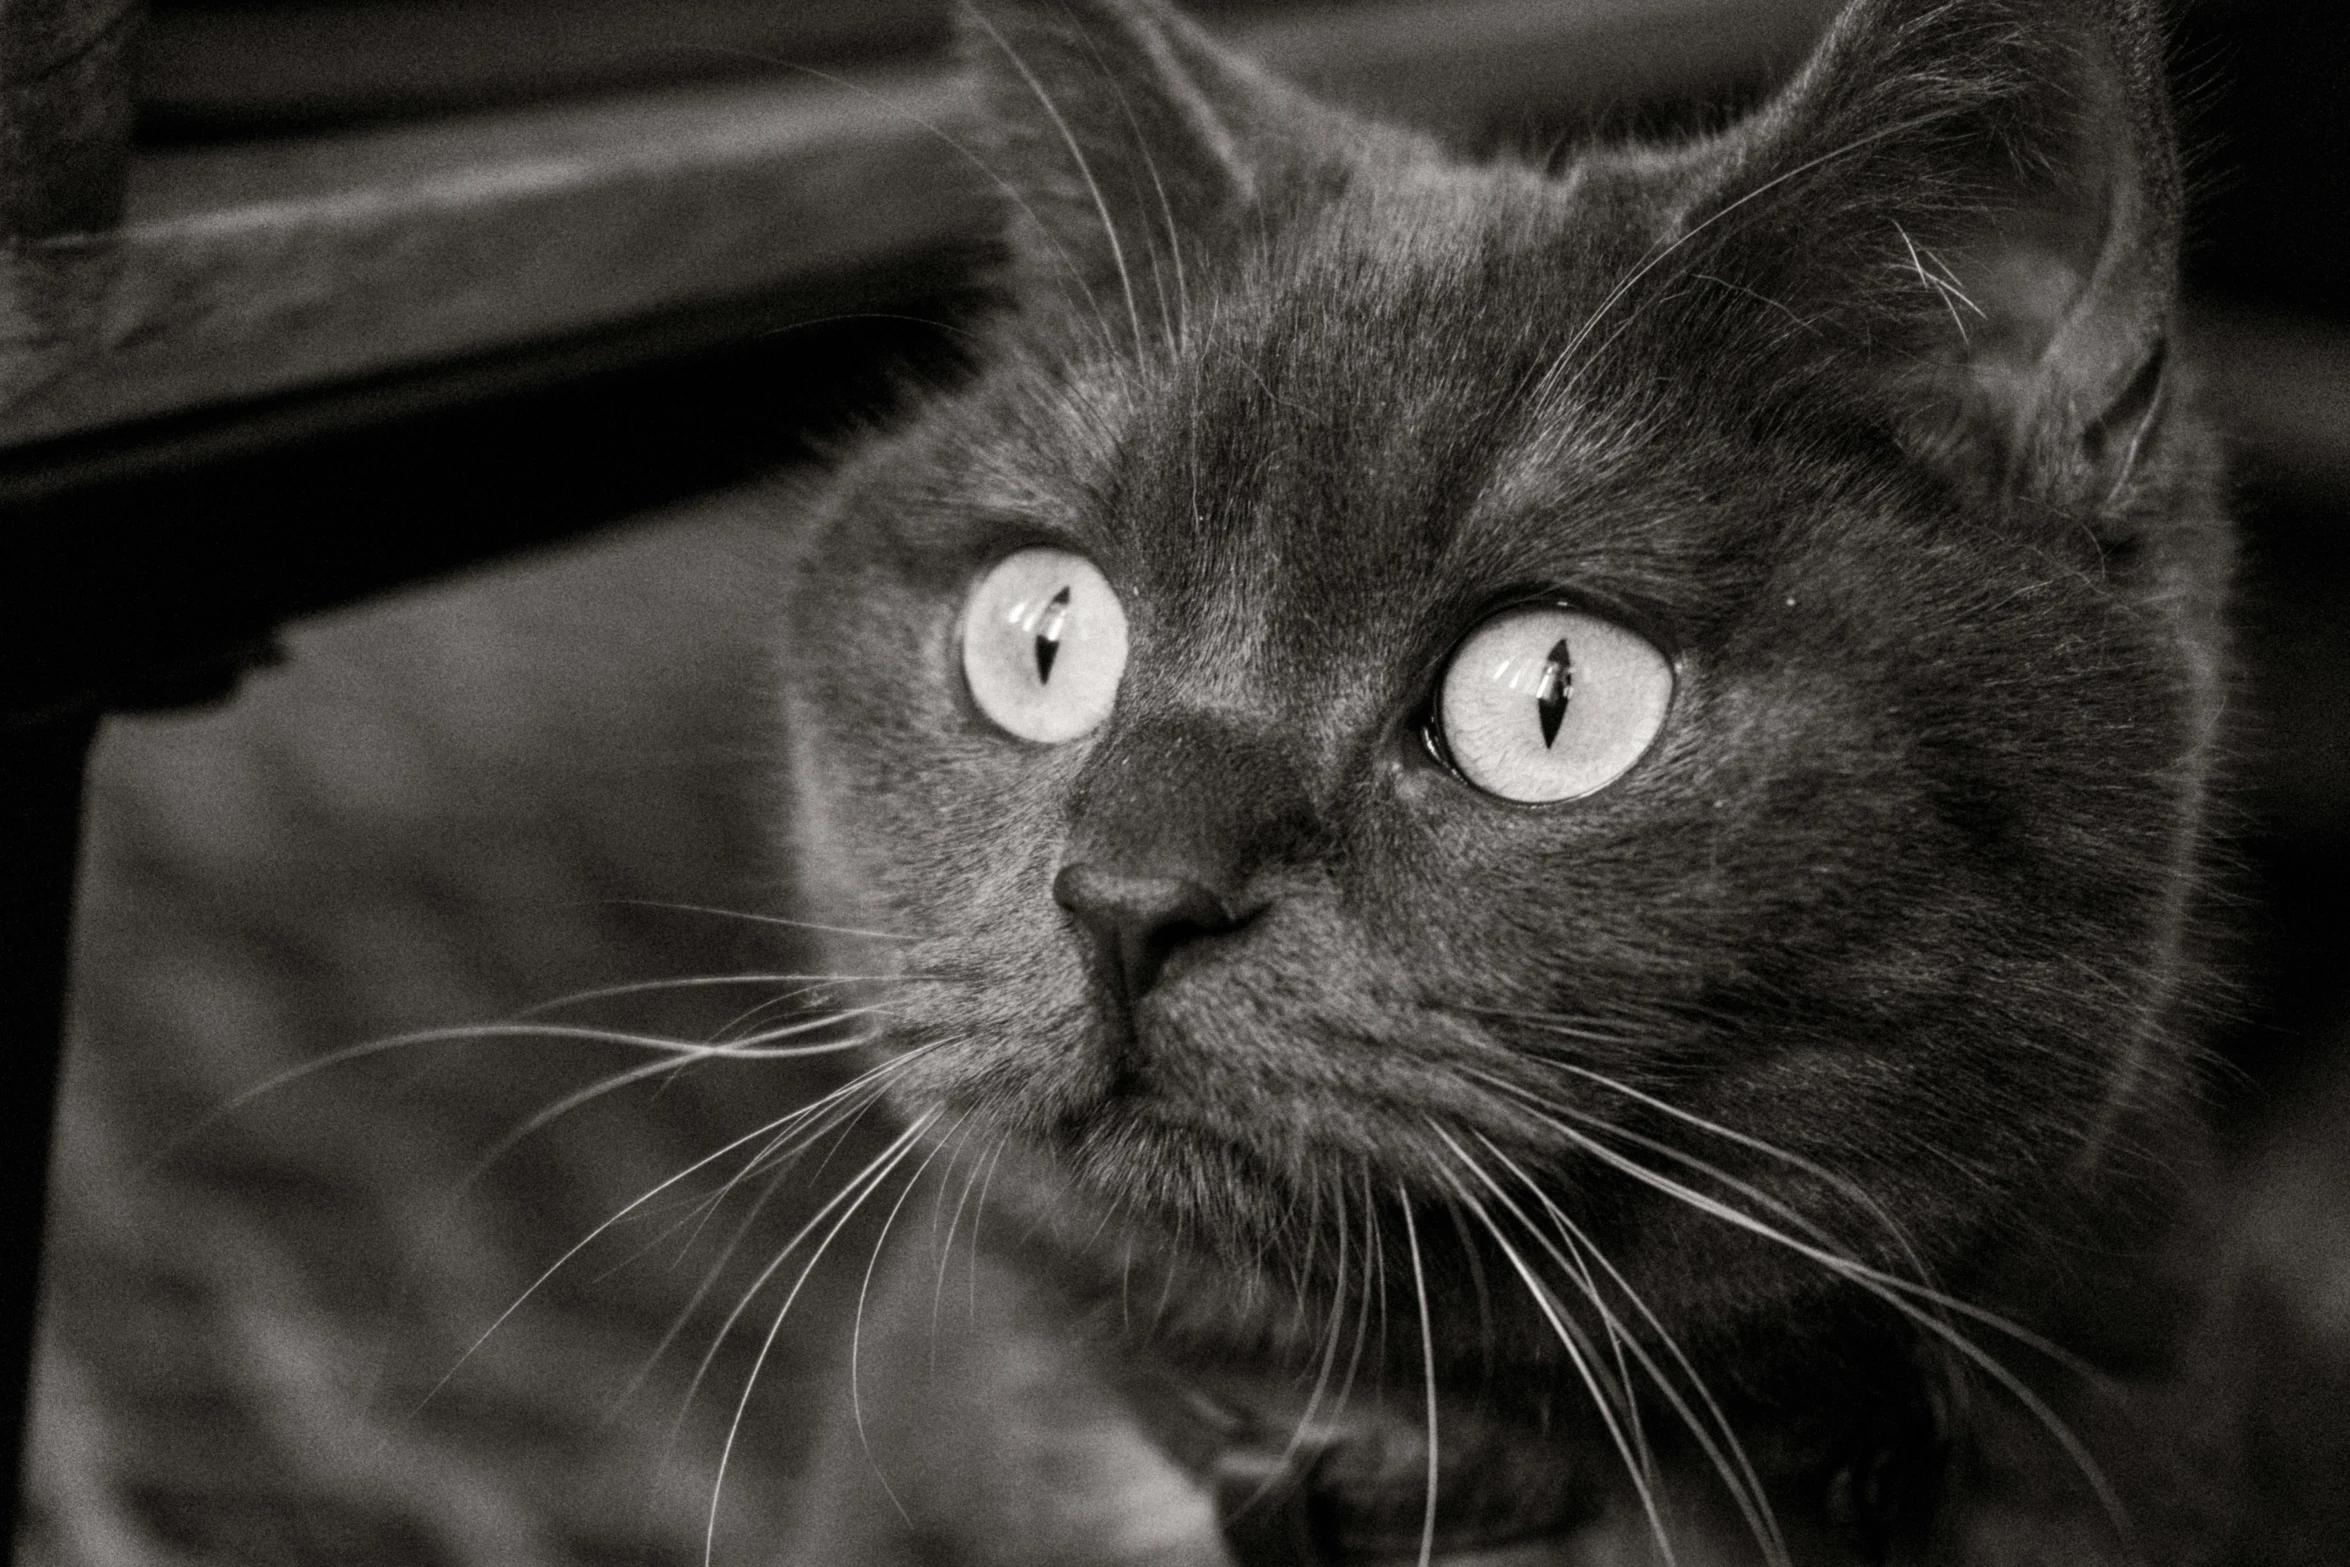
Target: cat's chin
{"x":1187,"y":1234}
{"x":1197,"y":1251}
{"x":1201,"y":1246}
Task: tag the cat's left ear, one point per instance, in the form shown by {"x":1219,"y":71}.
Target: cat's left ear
{"x":1133,"y":150}
{"x":1984,"y":192}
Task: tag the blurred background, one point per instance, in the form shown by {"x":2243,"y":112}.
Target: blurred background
{"x":398,"y":487}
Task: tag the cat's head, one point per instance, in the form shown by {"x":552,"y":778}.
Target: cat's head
{"x":1480,"y":681}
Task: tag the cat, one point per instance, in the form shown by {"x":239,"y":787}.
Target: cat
{"x":1530,"y":834}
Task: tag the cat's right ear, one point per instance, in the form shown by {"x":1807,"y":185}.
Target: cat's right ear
{"x":1971,"y":209}
{"x":1132,"y":151}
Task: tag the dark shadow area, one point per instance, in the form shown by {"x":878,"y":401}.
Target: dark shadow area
{"x":169,"y":552}
{"x":503,"y":789}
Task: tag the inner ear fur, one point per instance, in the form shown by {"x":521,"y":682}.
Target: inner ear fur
{"x":1132,"y":149}
{"x":1976,"y":203}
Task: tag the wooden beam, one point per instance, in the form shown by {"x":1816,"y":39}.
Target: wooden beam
{"x":1468,"y":64}
{"x":252,"y":269}
{"x":64,"y":132}
{"x":252,"y":64}
{"x":238,"y":66}
{"x":64,"y":114}
{"x":257,"y":269}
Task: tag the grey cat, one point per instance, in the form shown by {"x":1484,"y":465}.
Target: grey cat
{"x":1534,"y":830}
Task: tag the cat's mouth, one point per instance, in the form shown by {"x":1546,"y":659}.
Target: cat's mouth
{"x":1137,"y":1021}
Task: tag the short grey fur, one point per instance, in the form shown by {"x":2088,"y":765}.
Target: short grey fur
{"x":1787,"y":1153}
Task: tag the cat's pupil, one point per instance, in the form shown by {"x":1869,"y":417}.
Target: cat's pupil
{"x":1048,"y":634}
{"x":1550,"y":697}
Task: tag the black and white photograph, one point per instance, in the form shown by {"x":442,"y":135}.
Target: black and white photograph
{"x":1175,"y":783}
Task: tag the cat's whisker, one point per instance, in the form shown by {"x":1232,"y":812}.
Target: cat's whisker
{"x":1362,"y":1305}
{"x":1428,"y":1370}
{"x":693,"y":1303}
{"x":1093,"y":187}
{"x":1762,"y":1518}
{"x":1576,"y":1342}
{"x":1167,"y":1275}
{"x":756,"y":1047}
{"x":693,"y":1220}
{"x":864,"y":1293}
{"x":643,"y":987}
{"x":1377,"y":1235}
{"x":835,"y":1112}
{"x":860,"y":1187}
{"x":1729,"y":1458}
{"x":1896,"y":1292}
{"x":677,"y":1324}
{"x":1546,"y":388}
{"x":1330,"y":1338}
{"x":831,"y":1115}
{"x":750,"y":916}
{"x":1844,"y":1184}
{"x":1934,"y":284}
{"x":735,"y":1026}
{"x":1126,"y":1287}
{"x":1564,"y":389}
{"x":1621,"y":1393}
{"x":1795,"y":322}
{"x":1613,"y":1395}
{"x":1354,"y":1359}
{"x":701,"y":1211}
{"x":1477,"y":1286}
{"x":1004,"y":187}
{"x":1304,"y":1424}
{"x":1811,"y":1227}
{"x":1821,"y":1242}
{"x":1167,"y":316}
{"x":1621,"y":1344}
{"x":592,"y":1236}
{"x":547,"y":1115}
{"x":978,"y":1213}
{"x":946,"y":1248}
{"x":782,"y":1157}
{"x":1301,"y":1268}
{"x":1172,"y":321}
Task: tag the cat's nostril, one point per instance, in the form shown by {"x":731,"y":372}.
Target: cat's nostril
{"x":1137,"y":921}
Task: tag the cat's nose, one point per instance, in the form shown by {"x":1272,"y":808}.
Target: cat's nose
{"x":1136,"y":922}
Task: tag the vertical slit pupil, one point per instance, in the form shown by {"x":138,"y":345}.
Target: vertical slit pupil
{"x":1550,"y":698}
{"x":1048,"y":634}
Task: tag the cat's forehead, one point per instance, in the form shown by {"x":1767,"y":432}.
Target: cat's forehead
{"x":1379,"y":419}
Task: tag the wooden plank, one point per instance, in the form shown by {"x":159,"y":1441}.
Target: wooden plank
{"x":246,"y":270}
{"x":64,"y":130}
{"x":254,"y":64}
{"x":251,"y":64}
{"x":64,"y":138}
{"x":255,"y":269}
{"x":1468,"y":64}
{"x":64,"y":113}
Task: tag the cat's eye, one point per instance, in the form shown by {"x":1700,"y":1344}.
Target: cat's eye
{"x":1044,"y":644}
{"x":1548,"y":703}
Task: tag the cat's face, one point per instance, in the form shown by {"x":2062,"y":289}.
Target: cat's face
{"x":1410,"y":517}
